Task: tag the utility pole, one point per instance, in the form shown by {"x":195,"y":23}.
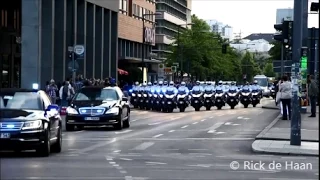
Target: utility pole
{"x":295,"y":136}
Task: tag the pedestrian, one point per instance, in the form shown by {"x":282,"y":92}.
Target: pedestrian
{"x":65,"y":93}
{"x":285,"y":97}
{"x":313,"y":93}
{"x":51,"y":90}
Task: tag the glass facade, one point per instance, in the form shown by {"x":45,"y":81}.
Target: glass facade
{"x":37,"y":35}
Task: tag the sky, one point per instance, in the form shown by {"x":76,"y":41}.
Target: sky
{"x":247,"y":16}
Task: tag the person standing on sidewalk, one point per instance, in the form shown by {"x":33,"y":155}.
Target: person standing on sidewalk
{"x":52,"y":90}
{"x":285,"y":97}
{"x":313,"y":93}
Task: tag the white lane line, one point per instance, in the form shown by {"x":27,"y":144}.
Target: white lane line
{"x":134,"y":120}
{"x":220,"y":115}
{"x":112,"y":162}
{"x":203,"y":120}
{"x":172,"y":149}
{"x":227,"y":123}
{"x":77,"y":132}
{"x":184,"y":126}
{"x":171,"y":131}
{"x":126,"y":159}
{"x":123,"y":172}
{"x":123,"y":132}
{"x":211,"y":117}
{"x":221,"y":156}
{"x":90,"y":148}
{"x":195,"y":123}
{"x":144,"y":146}
{"x":117,"y":151}
{"x":290,"y":157}
{"x":201,"y":165}
{"x":219,"y":133}
{"x":239,"y":117}
{"x":160,"y":163}
{"x":235,"y":124}
{"x":214,"y":127}
{"x":203,"y":154}
{"x":115,"y":165}
{"x":152,"y":124}
{"x":156,"y":136}
{"x":197,"y":149}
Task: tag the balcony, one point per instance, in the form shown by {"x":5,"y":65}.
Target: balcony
{"x":168,"y":17}
{"x":163,"y":39}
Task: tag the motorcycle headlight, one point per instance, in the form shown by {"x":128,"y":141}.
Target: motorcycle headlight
{"x":207,"y":95}
{"x":71,"y":110}
{"x":133,"y":94}
{"x":181,"y":96}
{"x":218,"y":95}
{"x":139,"y":95}
{"x":196,"y":95}
{"x":254,"y":94}
{"x":114,"y":110}
{"x":155,"y":95}
{"x":161,"y":96}
{"x":245,"y":94}
{"x":232,"y":94}
{"x":32,"y":125}
{"x":145,"y":95}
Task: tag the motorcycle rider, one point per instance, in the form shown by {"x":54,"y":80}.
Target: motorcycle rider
{"x":197,"y":87}
{"x":209,"y":86}
{"x":183,"y":88}
{"x":171,"y":87}
{"x":136,"y":86}
{"x":164,"y":86}
{"x":233,"y":86}
{"x":154,"y":86}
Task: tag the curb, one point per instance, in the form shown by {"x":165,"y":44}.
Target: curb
{"x":266,"y":129}
{"x":259,"y":150}
{"x":270,"y":107}
{"x":282,"y":139}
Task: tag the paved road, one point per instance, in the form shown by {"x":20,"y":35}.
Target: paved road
{"x":165,"y":146}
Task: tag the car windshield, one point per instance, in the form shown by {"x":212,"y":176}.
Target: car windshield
{"x":262,"y":81}
{"x":21,"y":100}
{"x":96,"y":94}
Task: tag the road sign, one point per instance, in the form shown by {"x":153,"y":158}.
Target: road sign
{"x":79,"y":50}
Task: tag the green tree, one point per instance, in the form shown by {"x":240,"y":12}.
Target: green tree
{"x":200,"y":53}
{"x":268,"y":70}
{"x":275,"y":51}
{"x":249,"y":66}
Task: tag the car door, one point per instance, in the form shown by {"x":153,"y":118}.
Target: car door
{"x":54,"y":120}
{"x":122,"y":103}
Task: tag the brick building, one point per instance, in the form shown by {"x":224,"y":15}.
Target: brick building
{"x":130,"y":35}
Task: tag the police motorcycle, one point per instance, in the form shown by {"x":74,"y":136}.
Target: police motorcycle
{"x":255,"y":95}
{"x":148,"y":100}
{"x":220,"y":96}
{"x":142,"y":95}
{"x":162,"y":90}
{"x":208,"y":96}
{"x":183,"y":97}
{"x":232,"y":96}
{"x":169,"y":98}
{"x":196,"y":96}
{"x":153,"y":100}
{"x":273,"y":92}
{"x":134,"y":100}
{"x":245,"y":95}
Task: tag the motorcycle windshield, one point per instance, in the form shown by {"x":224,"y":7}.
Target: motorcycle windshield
{"x":182,"y":92}
{"x":196,"y":92}
{"x":170,"y":92}
{"x":208,"y":91}
{"x":219,"y":91}
{"x":232,"y":91}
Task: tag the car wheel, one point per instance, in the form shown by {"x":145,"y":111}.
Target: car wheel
{"x":119,"y":125}
{"x":126,"y":123}
{"x":44,"y":149}
{"x":58,"y":145}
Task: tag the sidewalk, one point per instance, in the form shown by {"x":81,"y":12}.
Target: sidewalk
{"x":275,"y":138}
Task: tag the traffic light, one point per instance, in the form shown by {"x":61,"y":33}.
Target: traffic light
{"x":304,"y":63}
{"x":224,"y":48}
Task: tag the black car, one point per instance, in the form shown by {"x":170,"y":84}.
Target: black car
{"x":98,"y":106}
{"x":29,"y":121}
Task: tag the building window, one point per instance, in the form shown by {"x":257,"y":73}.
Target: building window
{"x":123,"y":6}
{"x":141,"y":12}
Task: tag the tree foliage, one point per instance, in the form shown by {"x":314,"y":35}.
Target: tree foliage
{"x":275,"y":51}
{"x":268,"y":70}
{"x":200,"y":52}
{"x":249,"y":66}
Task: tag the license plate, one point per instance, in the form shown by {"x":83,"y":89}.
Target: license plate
{"x":92,"y":118}
{"x":5,"y":135}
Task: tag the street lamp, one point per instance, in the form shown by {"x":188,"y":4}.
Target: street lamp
{"x":143,"y":42}
{"x":178,"y":45}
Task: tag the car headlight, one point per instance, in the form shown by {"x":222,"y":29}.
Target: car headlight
{"x":114,"y":110}
{"x":32,"y":124}
{"x":71,"y":110}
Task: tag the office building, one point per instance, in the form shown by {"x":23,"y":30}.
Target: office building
{"x":225,"y":31}
{"x":173,"y":15}
{"x":131,"y":41}
{"x":37,"y":35}
{"x":286,"y":14}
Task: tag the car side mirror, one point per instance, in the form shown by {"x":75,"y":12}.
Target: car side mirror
{"x":124,"y":99}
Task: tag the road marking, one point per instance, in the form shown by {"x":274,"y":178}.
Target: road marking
{"x":123,"y":172}
{"x":246,"y":118}
{"x":123,"y":132}
{"x":126,"y":159}
{"x":195,"y":123}
{"x":283,"y":179}
{"x":159,"y":163}
{"x":190,"y":139}
{"x":197,"y":149}
{"x":211,"y":117}
{"x":239,"y":117}
{"x":235,"y":124}
{"x":133,"y":120}
{"x":112,"y":162}
{"x":215,"y":126}
{"x":77,"y":178}
{"x":221,"y":156}
{"x":115,"y":165}
{"x":203,"y":154}
{"x":290,"y":157}
{"x":156,"y":136}
{"x":77,"y":132}
{"x":154,"y":123}
{"x":220,"y":115}
{"x":227,"y":123}
{"x":172,"y":131}
{"x":184,"y":126}
{"x":90,"y":148}
{"x":219,"y":133}
{"x":172,"y":149}
{"x":117,"y":151}
{"x":201,"y":165}
{"x":144,"y":146}
{"x":203,"y":120}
